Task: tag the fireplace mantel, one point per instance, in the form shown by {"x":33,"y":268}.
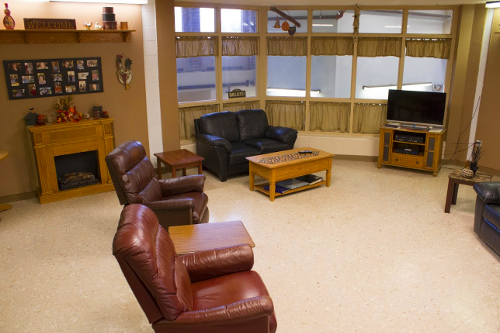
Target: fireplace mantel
{"x":59,"y":139}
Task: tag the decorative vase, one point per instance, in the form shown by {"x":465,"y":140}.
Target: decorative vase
{"x":8,"y":21}
{"x":473,"y":166}
{"x":467,"y":173}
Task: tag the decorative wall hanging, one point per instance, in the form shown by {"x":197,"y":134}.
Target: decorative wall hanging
{"x":48,"y":77}
{"x":124,"y":75}
{"x":49,"y":24}
{"x":236,"y":93}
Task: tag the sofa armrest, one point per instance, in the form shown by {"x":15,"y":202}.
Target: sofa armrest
{"x":248,"y":309}
{"x":209,"y":264}
{"x":179,"y":185}
{"x":283,"y":134}
{"x":488,"y":192}
{"x":214,"y":141}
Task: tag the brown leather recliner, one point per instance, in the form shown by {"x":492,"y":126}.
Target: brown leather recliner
{"x":176,"y":201}
{"x":212,"y":291}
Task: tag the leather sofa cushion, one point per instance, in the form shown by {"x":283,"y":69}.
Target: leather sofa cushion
{"x":492,"y":214}
{"x":239,"y":151}
{"x":221,"y":124}
{"x":227,"y":289}
{"x":200,"y":203}
{"x":265,"y":146}
{"x":252,"y":123}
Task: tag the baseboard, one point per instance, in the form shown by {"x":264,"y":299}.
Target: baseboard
{"x":356,"y":158}
{"x":18,"y":197}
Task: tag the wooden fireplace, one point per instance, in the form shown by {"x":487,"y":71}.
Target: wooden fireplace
{"x":61,"y":139}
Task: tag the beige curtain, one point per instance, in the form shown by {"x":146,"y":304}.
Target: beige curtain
{"x":433,"y":48}
{"x":367,"y":118}
{"x":330,"y":117}
{"x":196,"y":47}
{"x":379,"y":47}
{"x":240,"y":46}
{"x":339,"y":46}
{"x":286,"y":113}
{"x":250,"y":105}
{"x":189,"y":114}
{"x":287,"y":46}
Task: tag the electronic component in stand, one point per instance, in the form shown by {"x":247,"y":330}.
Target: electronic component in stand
{"x":410,"y":150}
{"x":409,"y":138}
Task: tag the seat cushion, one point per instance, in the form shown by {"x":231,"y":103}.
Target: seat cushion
{"x":251,"y":123}
{"x":200,"y":203}
{"x":265,"y":146}
{"x":227,"y":289}
{"x":239,"y":151}
{"x":221,"y":124}
{"x":492,"y":215}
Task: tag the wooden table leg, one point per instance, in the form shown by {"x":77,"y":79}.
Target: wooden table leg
{"x":158,"y":167}
{"x":183,"y":171}
{"x":200,"y":169}
{"x":173,"y":172}
{"x":329,"y":173}
{"x":272,"y":190}
{"x":455,"y":192}
{"x":251,"y":177}
{"x":449,"y":195}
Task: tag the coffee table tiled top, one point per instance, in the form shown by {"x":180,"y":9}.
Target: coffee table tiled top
{"x":178,"y":159}
{"x":206,"y":236}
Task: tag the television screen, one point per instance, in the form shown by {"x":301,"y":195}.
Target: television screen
{"x":419,"y":107}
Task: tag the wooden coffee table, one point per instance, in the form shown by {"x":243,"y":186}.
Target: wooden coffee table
{"x":454,"y":179}
{"x":207,"y":236}
{"x":288,"y":169}
{"x":178,"y":159}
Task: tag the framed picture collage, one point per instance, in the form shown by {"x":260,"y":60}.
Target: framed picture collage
{"x":53,"y":77}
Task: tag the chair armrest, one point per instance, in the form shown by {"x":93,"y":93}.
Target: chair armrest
{"x":171,"y":204}
{"x":247,"y":309}
{"x":283,"y":134}
{"x":214,"y":141}
{"x":179,"y":185}
{"x":209,"y":264}
{"x":488,"y":192}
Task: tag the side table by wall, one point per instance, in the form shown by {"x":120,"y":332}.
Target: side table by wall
{"x":455,"y":179}
{"x":178,"y":159}
{"x":3,"y":155}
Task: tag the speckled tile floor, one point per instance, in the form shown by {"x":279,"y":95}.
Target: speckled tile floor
{"x":372,"y":253}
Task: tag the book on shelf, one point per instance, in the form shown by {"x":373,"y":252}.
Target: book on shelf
{"x":291,"y":184}
{"x":279,"y":189}
{"x":310,"y":179}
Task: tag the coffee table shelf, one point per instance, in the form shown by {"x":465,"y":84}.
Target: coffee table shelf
{"x":260,"y":188}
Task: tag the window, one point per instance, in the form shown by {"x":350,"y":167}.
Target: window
{"x":237,"y":20}
{"x":429,"y":21}
{"x":194,"y":19}
{"x":375,"y":76}
{"x":196,"y":79}
{"x":273,"y":18}
{"x":332,"y":21}
{"x":286,"y":76}
{"x":239,"y":73}
{"x":331,"y":76}
{"x":424,"y":74}
{"x":380,"y":21}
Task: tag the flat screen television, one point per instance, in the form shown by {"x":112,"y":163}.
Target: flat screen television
{"x":416,"y":107}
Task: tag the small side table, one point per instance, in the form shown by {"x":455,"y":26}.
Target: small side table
{"x":454,"y":179}
{"x":178,"y":159}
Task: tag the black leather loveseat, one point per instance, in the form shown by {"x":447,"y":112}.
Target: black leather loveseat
{"x":224,"y":139}
{"x":487,"y":214}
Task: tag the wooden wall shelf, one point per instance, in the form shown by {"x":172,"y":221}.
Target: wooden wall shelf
{"x":19,"y":36}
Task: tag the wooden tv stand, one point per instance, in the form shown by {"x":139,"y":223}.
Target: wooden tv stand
{"x":426,"y":153}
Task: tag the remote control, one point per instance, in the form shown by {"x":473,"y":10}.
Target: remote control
{"x":305,"y":152}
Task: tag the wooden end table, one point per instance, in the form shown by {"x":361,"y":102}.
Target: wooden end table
{"x":207,"y":236}
{"x":178,"y":159}
{"x":454,"y":179}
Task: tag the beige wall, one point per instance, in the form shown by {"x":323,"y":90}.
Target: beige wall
{"x":489,"y":112}
{"x":128,"y":108}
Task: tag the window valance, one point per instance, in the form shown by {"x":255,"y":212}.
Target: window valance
{"x":240,"y":46}
{"x":196,"y":46}
{"x":379,"y":47}
{"x":237,"y":106}
{"x":287,"y":46}
{"x":433,"y":48}
{"x":339,"y":46}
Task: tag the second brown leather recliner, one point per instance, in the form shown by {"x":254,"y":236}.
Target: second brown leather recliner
{"x":175,"y":201}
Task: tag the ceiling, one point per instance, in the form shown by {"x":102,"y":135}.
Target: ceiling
{"x":341,"y":3}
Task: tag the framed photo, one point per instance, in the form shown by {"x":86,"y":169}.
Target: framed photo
{"x":48,"y":77}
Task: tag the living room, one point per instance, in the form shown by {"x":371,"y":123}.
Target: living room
{"x":372,"y":252}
